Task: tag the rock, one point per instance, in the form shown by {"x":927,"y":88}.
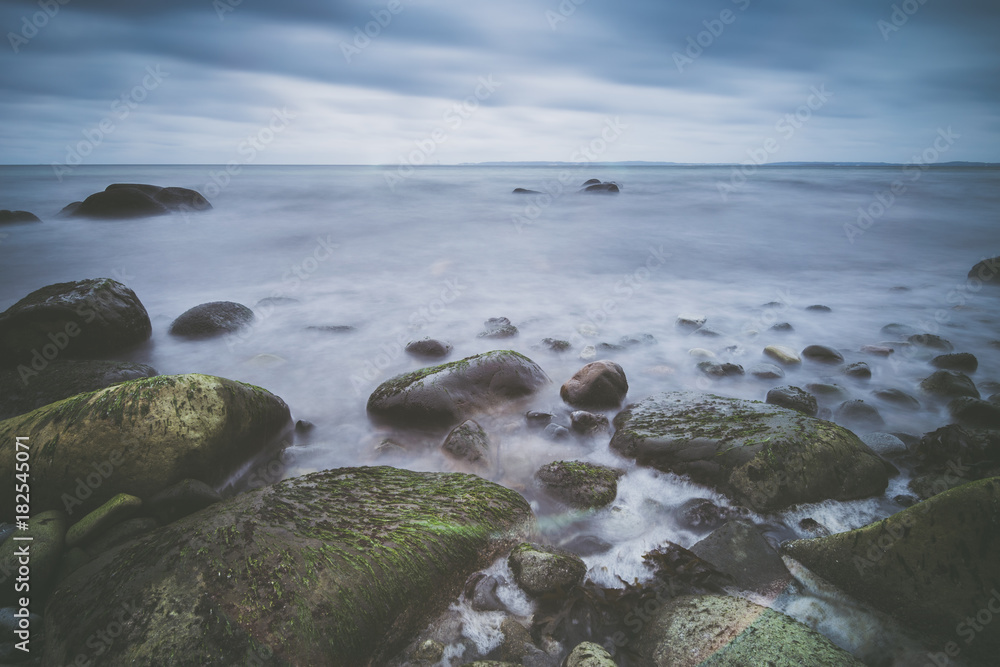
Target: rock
{"x":212,"y":319}
{"x":781,"y":327}
{"x":859,"y":370}
{"x":607,"y":188}
{"x":481,"y":591}
{"x":556,"y":345}
{"x":523,"y":191}
{"x":702,"y":514}
{"x":388,"y":448}
{"x":960,"y":361}
{"x":127,"y":200}
{"x":932,"y":565}
{"x":930,"y":341}
{"x":765,"y":456}
{"x":325,"y":328}
{"x":468,"y":442}
{"x":717,"y":631}
{"x":542,"y":570}
{"x":819,"y":309}
{"x":126,"y":531}
{"x":555,"y":432}
{"x":181,"y":499}
{"x":537,"y":419}
{"x":48,"y":532}
{"x":118,"y":509}
{"x":637,"y":339}
{"x":11,"y":217}
{"x":986,"y":271}
{"x":708,"y":332}
{"x":975,"y":413}
{"x":716,"y":370}
{"x":827,"y":392}
{"x":896,"y":329}
{"x":342,"y":566}
{"x":140,"y":437}
{"x":271,"y":301}
{"x":61,"y":379}
{"x":859,"y":414}
{"x":304,"y":426}
{"x":954,"y":443}
{"x":690,"y":322}
{"x":590,"y":181}
{"x":930,"y":484}
{"x":783,"y":355}
{"x":793,"y":398}
{"x":877,"y":350}
{"x":884,"y":444}
{"x":516,"y":640}
{"x":738,"y":549}
{"x":701,"y":353}
{"x":949,"y":384}
{"x":766,"y":372}
{"x":429,"y":348}
{"x":589,"y":423}
{"x":580,"y":485}
{"x":589,"y":654}
{"x":587,"y":545}
{"x":609,"y":347}
{"x":76,"y":320}
{"x":813,"y":526}
{"x":599,"y":384}
{"x":898,"y":398}
{"x":445,"y":395}
{"x":498,"y":327}
{"x":823,"y":354}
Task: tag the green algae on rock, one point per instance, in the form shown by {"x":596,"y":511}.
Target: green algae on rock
{"x":578,"y":484}
{"x":765,"y":456}
{"x":442,"y":396}
{"x":139,"y":437}
{"x":336,"y":567}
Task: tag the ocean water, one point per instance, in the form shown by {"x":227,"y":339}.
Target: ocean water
{"x":438,"y":251}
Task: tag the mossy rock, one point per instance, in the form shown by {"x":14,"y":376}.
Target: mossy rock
{"x":718,"y":631}
{"x":336,"y":567}
{"x":764,"y":456}
{"x":543,"y":570}
{"x":932,"y":566}
{"x":144,"y":435}
{"x":442,"y":396}
{"x":120,"y":508}
{"x":589,"y":654}
{"x":578,"y":484}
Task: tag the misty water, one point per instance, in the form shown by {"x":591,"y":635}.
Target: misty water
{"x":446,"y":248}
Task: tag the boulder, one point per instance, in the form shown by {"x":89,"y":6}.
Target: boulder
{"x":599,"y":384}
{"x":702,"y":514}
{"x":766,"y":372}
{"x":11,"y":217}
{"x":140,"y":437}
{"x":717,"y":631}
{"x":589,"y":654}
{"x":542,"y":570}
{"x":212,"y":319}
{"x":986,"y":271}
{"x":498,"y":327}
{"x":765,"y":456}
{"x":75,"y":320}
{"x":445,"y":395}
{"x":580,"y":485}
{"x":739,"y":550}
{"x":957,"y":361}
{"x":955,"y":443}
{"x":793,"y":398}
{"x":974,"y":412}
{"x":181,"y":499}
{"x":819,"y":308}
{"x":718,"y":371}
{"x":783,"y":355}
{"x":823,"y":354}
{"x":949,"y":384}
{"x":606,"y":188}
{"x":342,"y":566}
{"x":859,"y":414}
{"x":934,"y":565}
{"x":930,"y":341}
{"x":21,"y":391}
{"x":898,"y":398}
{"x":121,"y":201}
{"x":556,"y":344}
{"x":429,"y":348}
{"x":859,"y":370}
{"x":468,"y":442}
{"x":523,"y":191}
{"x":588,"y":423}
{"x":120,"y":508}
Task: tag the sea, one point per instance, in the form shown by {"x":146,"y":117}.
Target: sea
{"x":343,"y":265}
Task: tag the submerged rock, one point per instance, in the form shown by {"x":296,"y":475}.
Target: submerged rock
{"x":608,"y":188}
{"x":933,"y":565}
{"x":898,"y":398}
{"x":930,"y":341}
{"x":442,"y":396}
{"x":140,"y":437}
{"x":859,"y":414}
{"x":130,"y":200}
{"x":718,"y":371}
{"x":823,"y":354}
{"x":75,"y":320}
{"x":793,"y":398}
{"x":600,"y":384}
{"x":588,"y":423}
{"x":541,"y":570}
{"x":498,"y":327}
{"x":975,"y":413}
{"x":949,"y":384}
{"x":578,"y":484}
{"x":783,"y":355}
{"x":212,"y":319}
{"x":765,"y":456}
{"x":702,"y":514}
{"x":766,"y":372}
{"x":337,"y":567}
{"x":523,"y":191}
{"x":986,"y":271}
{"x":468,"y":442}
{"x":11,"y":217}
{"x":739,"y":550}
{"x":959,"y":361}
{"x":859,"y":370}
{"x":429,"y":348}
{"x":958,"y":444}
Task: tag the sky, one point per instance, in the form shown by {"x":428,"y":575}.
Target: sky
{"x":455,"y":81}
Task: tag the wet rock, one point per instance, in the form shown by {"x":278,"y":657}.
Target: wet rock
{"x":515,"y":645}
{"x":884,"y":444}
{"x":578,"y":484}
{"x":898,"y":398}
{"x":271,"y":301}
{"x":212,"y":319}
{"x":537,"y":419}
{"x":589,"y":423}
{"x":701,"y":353}
{"x":47,"y":531}
{"x":738,"y":549}
{"x":793,"y":398}
{"x":524,"y":191}
{"x":877,"y":350}
{"x":332,"y":328}
{"x":481,"y":591}
{"x":589,"y":654}
{"x":930,"y":341}
{"x":303,"y":426}
{"x":11,"y":217}
{"x":606,"y":188}
{"x":783,"y":355}
{"x":819,"y":309}
{"x":556,"y":345}
{"x":765,"y":456}
{"x":445,"y":395}
{"x":714,"y":630}
{"x":949,"y":384}
{"x":331,"y":541}
{"x":813,"y":526}
{"x":600,"y":384}
{"x":75,"y":320}
{"x":468,"y":442}
{"x":590,"y":181}
{"x":690,"y":322}
{"x":975,"y":413}
{"x":542,"y":570}
{"x":609,"y":347}
{"x":960,"y":361}
{"x":22,"y":391}
{"x":954,"y":443}
{"x":140,"y":437}
{"x":588,"y":352}
{"x":718,"y":371}
{"x":708,"y":332}
{"x":986,"y":271}
{"x":827,"y":392}
{"x":859,"y":414}
{"x":428,"y":348}
{"x":703,"y":514}
{"x":859,"y":370}
{"x":823,"y":354}
{"x":119,"y":534}
{"x":118,"y":509}
{"x":121,"y":201}
{"x":637,"y":339}
{"x":781,"y":327}
{"x":587,"y":545}
{"x":896,"y":329}
{"x":389,"y":449}
{"x":498,"y":327}
{"x":181,"y":499}
{"x":766,"y":372}
{"x":932,"y":565}
{"x":555,"y":432}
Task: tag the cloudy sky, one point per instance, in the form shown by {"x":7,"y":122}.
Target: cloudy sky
{"x":300,"y":81}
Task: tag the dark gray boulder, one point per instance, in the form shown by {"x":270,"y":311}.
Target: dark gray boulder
{"x":599,"y":384}
{"x":428,"y":348}
{"x":986,"y":271}
{"x":975,"y":412}
{"x":541,"y":570}
{"x":793,"y":398}
{"x":212,"y":319}
{"x":859,"y":414}
{"x":498,"y":327}
{"x":578,"y":484}
{"x":11,"y":217}
{"x":822,"y":354}
{"x":949,"y":384}
{"x":957,"y":361}
{"x":468,"y":442}
{"x":738,"y":549}
{"x":121,"y":201}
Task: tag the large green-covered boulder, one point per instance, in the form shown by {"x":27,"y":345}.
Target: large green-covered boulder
{"x":139,"y":437}
{"x":442,"y":396}
{"x":934,"y":565}
{"x":340,"y":567}
{"x":764,"y":456}
{"x":718,"y":631}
